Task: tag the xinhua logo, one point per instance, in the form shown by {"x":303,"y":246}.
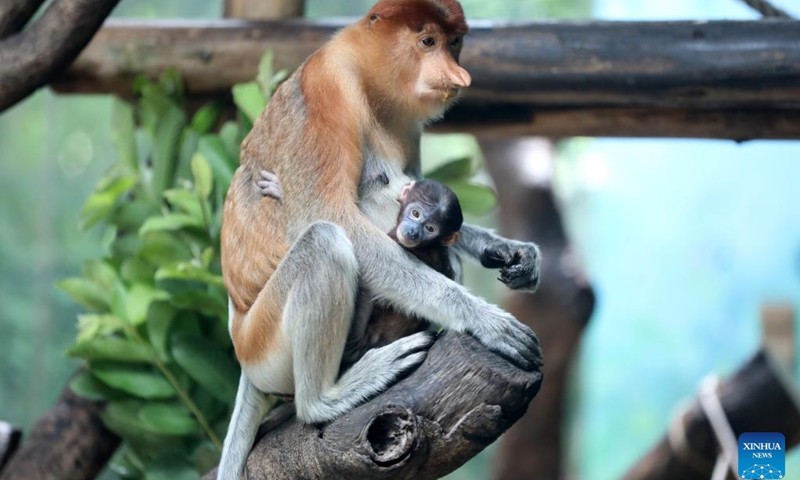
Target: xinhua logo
{"x":762,"y":455}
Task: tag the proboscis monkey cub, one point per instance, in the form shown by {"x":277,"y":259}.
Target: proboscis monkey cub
{"x":428,"y":224}
{"x":343,"y":133}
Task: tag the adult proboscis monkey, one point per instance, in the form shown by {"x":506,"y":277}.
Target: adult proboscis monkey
{"x":343,"y":134}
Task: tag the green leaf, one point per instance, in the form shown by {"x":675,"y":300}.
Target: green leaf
{"x":122,"y":133}
{"x":105,"y":198}
{"x":130,"y":215}
{"x":186,"y":200}
{"x":91,"y":326}
{"x":165,"y":148}
{"x":122,"y":418}
{"x":207,"y":116}
{"x":188,"y":148}
{"x":203,"y":180}
{"x":264,"y":77}
{"x":249,"y":99}
{"x":212,"y":148}
{"x":474,"y":199}
{"x":160,"y":317}
{"x":172,"y":82}
{"x":86,"y":386}
{"x":170,"y":468}
{"x":139,"y":298}
{"x":170,"y":222}
{"x":201,"y":301}
{"x":207,"y":364}
{"x":101,"y":273}
{"x":119,"y":301}
{"x":86,"y":293}
{"x":161,"y":248}
{"x":138,"y":381}
{"x":456,"y":170}
{"x":114,"y":349}
{"x":230,"y":136}
{"x":136,"y":270}
{"x":168,"y":419}
{"x":189,"y":271}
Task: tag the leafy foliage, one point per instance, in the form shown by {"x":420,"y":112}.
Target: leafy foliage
{"x":155,"y":340}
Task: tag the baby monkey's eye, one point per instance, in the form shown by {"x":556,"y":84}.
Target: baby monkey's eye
{"x":415,"y":213}
{"x":429,"y":41}
{"x":430,"y":229}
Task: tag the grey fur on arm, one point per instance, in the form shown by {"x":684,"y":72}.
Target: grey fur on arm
{"x":519,"y":262}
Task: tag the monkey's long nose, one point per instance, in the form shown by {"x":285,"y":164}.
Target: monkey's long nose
{"x":459,"y":77}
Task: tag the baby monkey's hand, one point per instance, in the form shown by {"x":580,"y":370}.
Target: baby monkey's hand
{"x":269,"y":185}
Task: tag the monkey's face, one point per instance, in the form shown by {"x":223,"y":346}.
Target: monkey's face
{"x":430,"y":215}
{"x":421,"y":42}
{"x":418,"y":226}
{"x":439,"y":78}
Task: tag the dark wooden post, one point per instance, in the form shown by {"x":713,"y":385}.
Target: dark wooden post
{"x":760,"y":397}
{"x":558,"y":312}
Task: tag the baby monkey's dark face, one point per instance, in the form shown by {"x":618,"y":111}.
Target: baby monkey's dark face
{"x":429,"y":215}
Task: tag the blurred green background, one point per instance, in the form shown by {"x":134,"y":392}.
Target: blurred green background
{"x":683,"y":241}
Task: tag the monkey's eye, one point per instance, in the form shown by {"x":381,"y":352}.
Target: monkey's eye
{"x":415,"y":213}
{"x":430,"y":228}
{"x":429,"y":41}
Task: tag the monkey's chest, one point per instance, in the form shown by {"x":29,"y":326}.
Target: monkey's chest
{"x":379,"y":192}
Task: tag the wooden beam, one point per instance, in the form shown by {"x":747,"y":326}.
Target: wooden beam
{"x":508,"y":121}
{"x":263,"y":9}
{"x":720,"y":79}
{"x":590,"y":64}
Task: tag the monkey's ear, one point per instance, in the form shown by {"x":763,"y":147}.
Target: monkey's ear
{"x":449,"y":242}
{"x":404,"y":193}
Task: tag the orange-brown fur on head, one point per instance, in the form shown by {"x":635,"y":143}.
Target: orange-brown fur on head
{"x":402,"y":74}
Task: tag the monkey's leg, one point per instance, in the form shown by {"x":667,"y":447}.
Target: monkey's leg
{"x":317,"y":316}
{"x":251,"y":406}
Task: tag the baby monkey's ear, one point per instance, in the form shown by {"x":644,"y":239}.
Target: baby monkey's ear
{"x":404,"y":194}
{"x":449,"y":242}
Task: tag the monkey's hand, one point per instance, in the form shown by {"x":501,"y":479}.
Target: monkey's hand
{"x":270,"y":185}
{"x":503,"y":334}
{"x":518,"y":262}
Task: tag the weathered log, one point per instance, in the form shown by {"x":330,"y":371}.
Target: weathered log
{"x":512,"y":121}
{"x":558,"y":312}
{"x":425,"y":426}
{"x":263,"y":10}
{"x":760,"y":397}
{"x":69,"y":442}
{"x":14,"y":14}
{"x":547,"y":65}
{"x":31,"y":58}
{"x":721,"y":79}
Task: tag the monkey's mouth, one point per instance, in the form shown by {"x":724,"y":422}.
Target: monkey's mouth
{"x":402,"y":240}
{"x":448,"y":94}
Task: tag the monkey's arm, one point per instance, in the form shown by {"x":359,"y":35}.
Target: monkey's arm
{"x":403,"y":282}
{"x":518,"y":261}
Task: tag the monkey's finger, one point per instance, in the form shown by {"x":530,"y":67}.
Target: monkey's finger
{"x":412,"y":361}
{"x":420,"y":341}
{"x":269,"y":176}
{"x":492,"y":258}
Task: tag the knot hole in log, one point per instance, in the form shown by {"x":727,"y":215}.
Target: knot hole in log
{"x":391,"y":436}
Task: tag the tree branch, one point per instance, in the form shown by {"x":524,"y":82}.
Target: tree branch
{"x":69,"y":443}
{"x":14,"y":14}
{"x":424,"y":427}
{"x":33,"y":57}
